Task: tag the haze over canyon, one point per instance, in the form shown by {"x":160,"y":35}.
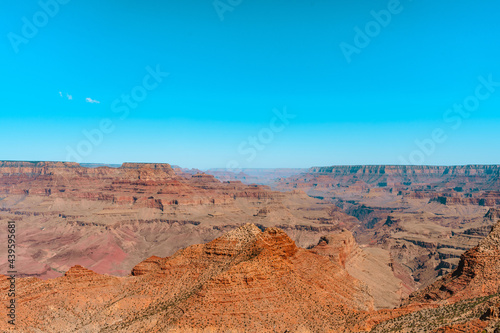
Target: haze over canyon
{"x":340,"y":249}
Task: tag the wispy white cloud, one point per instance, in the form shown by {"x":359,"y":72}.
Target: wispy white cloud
{"x":68,"y":96}
{"x":90,"y":100}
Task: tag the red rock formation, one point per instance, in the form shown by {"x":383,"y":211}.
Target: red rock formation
{"x":107,"y":218}
{"x":493,"y":214}
{"x":145,"y":184}
{"x":246,"y":280}
{"x":372,"y":268}
{"x":478,"y":274}
{"x":473,"y":184}
{"x":468,"y":170}
{"x":78,"y":271}
{"x":476,"y":325}
{"x":340,"y":247}
{"x":148,"y":266}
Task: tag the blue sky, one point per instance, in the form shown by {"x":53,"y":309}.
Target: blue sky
{"x":229,"y":79}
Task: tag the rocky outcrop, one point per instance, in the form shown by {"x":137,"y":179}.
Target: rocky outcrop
{"x":468,"y":170}
{"x":148,"y":266}
{"x":155,"y":166}
{"x":373,"y":267}
{"x":474,"y":184}
{"x":245,"y":280}
{"x":41,"y":177}
{"x":473,"y":315}
{"x":107,"y":218}
{"x":340,"y":247}
{"x":151,"y":185}
{"x":78,"y":271}
{"x":493,"y":214}
{"x":477,"y":274}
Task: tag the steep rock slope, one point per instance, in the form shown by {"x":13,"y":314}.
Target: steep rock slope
{"x":370,"y":265}
{"x":247,"y":280}
{"x":109,"y":218}
{"x":477,"y":274}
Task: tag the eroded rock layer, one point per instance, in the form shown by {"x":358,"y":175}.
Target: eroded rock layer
{"x":246,"y":280}
{"x":109,"y":218}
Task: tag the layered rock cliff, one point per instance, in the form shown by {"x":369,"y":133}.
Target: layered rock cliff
{"x":460,"y":179}
{"x":403,"y":170}
{"x":106,"y":218}
{"x":249,"y":280}
{"x":477,"y":274}
{"x":246,"y":280}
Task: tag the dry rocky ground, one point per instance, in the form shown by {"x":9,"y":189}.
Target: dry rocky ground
{"x":343,"y":247}
{"x":250,"y":280}
{"x":424,"y":216}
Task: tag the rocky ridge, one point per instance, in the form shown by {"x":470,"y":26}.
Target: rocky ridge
{"x":108,"y":218}
{"x":477,"y":274}
{"x":252,"y":280}
{"x":246,"y":280}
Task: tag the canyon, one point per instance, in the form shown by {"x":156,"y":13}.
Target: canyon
{"x":369,"y":243}
{"x":249,"y":280}
{"x":108,"y":219}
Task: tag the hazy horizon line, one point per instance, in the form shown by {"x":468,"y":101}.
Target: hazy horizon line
{"x":117,"y":165}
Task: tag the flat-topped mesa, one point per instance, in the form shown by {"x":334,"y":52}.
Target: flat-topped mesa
{"x":145,"y":185}
{"x":8,"y":168}
{"x":469,"y":170}
{"x":467,"y":183}
{"x":37,"y":164}
{"x":203,"y":177}
{"x":477,"y":274}
{"x":71,"y":170}
{"x":26,"y":165}
{"x":154,"y":166}
{"x":146,"y":171}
